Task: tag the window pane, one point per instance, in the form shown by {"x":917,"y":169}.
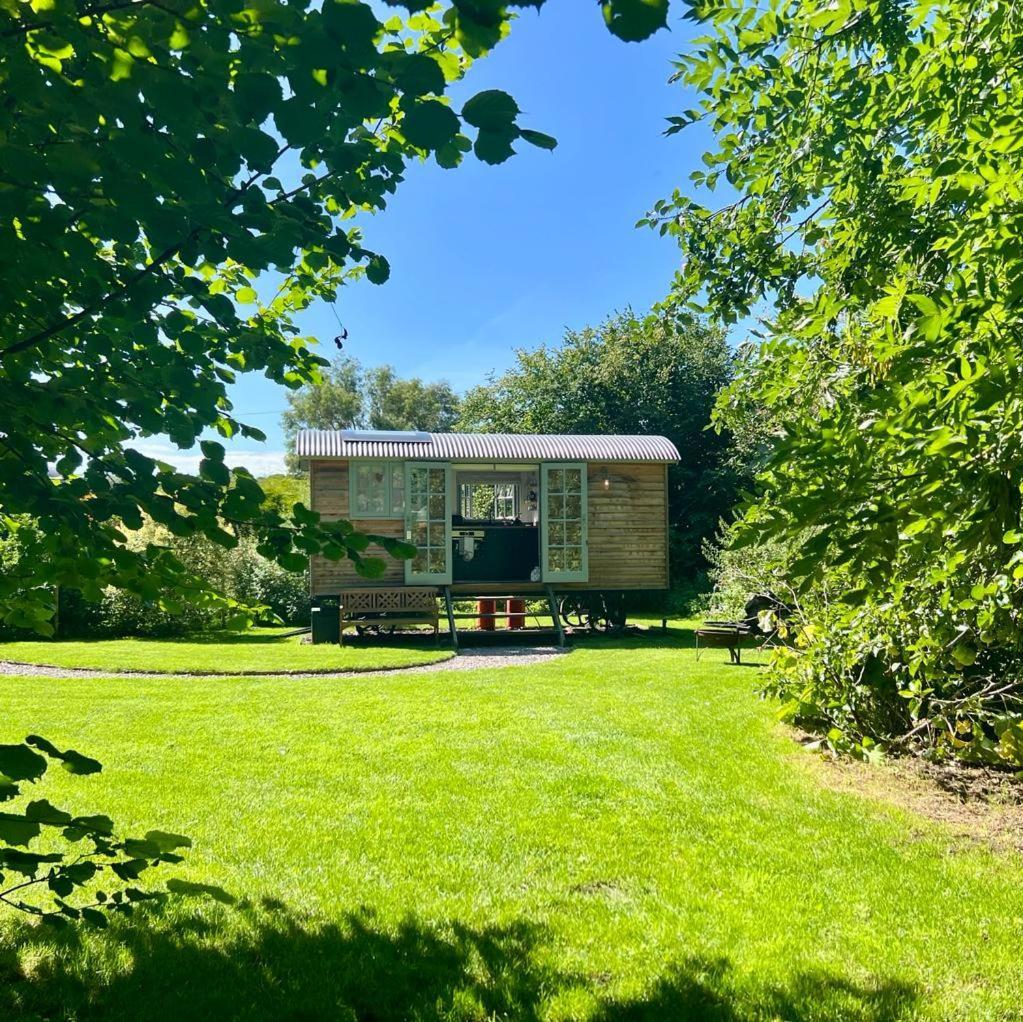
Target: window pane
{"x":556,"y":559}
{"x":573,"y":480}
{"x":397,"y":488}
{"x":437,"y":507}
{"x":555,"y":535}
{"x":371,"y":489}
{"x":573,"y":558}
{"x":555,"y":507}
{"x":574,"y":507}
{"x":419,"y":563}
{"x":573,"y":533}
{"x":556,"y":480}
{"x":437,"y":535}
{"x":438,"y":561}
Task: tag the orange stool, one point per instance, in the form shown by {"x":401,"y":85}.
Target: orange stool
{"x":516,"y":614}
{"x":483,"y":608}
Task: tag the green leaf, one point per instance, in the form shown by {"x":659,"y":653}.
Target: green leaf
{"x":17,"y":830}
{"x":491,"y":109}
{"x":43,"y":812}
{"x":371,"y":567}
{"x":94,"y":917}
{"x":378,"y":269}
{"x":963,"y":654}
{"x":72,"y":761}
{"x":130,"y":869}
{"x":415,"y":73}
{"x":635,"y":20}
{"x":494,"y":146}
{"x":429,"y":124}
{"x":539,"y":139}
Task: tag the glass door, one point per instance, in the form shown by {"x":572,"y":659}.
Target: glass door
{"x":563,"y":523}
{"x":428,"y":505}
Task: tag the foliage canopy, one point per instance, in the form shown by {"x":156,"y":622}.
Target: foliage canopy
{"x":348,"y":396}
{"x":876,"y":150}
{"x":158,"y":158}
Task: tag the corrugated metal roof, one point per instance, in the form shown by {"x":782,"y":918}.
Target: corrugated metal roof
{"x":330,"y":443}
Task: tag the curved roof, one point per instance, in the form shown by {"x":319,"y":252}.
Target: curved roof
{"x":336,"y":443}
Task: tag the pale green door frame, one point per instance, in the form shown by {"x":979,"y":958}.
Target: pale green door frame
{"x":429,"y":500}
{"x":564,"y":554}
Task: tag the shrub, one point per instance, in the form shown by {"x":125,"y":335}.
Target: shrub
{"x":258,"y":581}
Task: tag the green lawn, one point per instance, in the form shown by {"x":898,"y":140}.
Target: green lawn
{"x":619,"y":834}
{"x":259,"y":651}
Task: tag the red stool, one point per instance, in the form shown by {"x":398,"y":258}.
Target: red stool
{"x":485,"y":607}
{"x":516,"y":614}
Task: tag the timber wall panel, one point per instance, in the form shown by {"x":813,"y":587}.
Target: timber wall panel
{"x":628,"y":526}
{"x":328,"y":488}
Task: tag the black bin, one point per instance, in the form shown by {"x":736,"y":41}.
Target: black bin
{"x":326,"y":622}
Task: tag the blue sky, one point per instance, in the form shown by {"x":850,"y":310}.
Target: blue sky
{"x":487,"y":259}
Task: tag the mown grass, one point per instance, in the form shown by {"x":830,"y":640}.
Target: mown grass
{"x":618,"y":834}
{"x":262,"y":651}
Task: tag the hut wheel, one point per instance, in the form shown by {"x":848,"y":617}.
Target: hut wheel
{"x":574,"y":611}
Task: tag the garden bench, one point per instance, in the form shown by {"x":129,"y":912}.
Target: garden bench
{"x":389,"y":608}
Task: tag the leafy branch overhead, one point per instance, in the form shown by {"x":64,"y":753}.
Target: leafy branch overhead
{"x":85,"y":871}
{"x":874,"y":162}
{"x":159,"y":161}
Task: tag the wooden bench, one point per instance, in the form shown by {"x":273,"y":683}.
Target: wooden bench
{"x":389,"y":608}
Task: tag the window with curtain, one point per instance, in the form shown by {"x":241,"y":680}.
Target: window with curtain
{"x":377,"y":489}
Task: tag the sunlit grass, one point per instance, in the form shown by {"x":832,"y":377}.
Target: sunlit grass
{"x":620,"y":833}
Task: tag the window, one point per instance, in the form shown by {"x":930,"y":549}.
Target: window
{"x":376,"y":489}
{"x":485,"y":501}
{"x":504,"y":500}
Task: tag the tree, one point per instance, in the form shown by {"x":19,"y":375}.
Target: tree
{"x":333,"y":401}
{"x":631,"y":374}
{"x":875,"y":152}
{"x":160,"y":160}
{"x":349,"y":397}
{"x":396,"y":403}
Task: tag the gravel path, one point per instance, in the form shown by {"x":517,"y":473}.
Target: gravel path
{"x":497,"y":656}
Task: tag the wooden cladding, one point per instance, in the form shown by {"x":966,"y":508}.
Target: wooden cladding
{"x":628,"y":528}
{"x":328,"y":488}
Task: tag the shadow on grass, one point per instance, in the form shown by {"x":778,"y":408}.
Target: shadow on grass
{"x":267,"y":963}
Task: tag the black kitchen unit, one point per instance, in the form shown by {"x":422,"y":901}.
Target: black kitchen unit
{"x":494,"y":551}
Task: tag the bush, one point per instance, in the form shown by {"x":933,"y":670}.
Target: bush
{"x":257,"y":581}
{"x":241,"y":574}
{"x":737,"y":573}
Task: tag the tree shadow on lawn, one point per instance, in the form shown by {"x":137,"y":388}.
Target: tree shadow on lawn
{"x":273,"y":964}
